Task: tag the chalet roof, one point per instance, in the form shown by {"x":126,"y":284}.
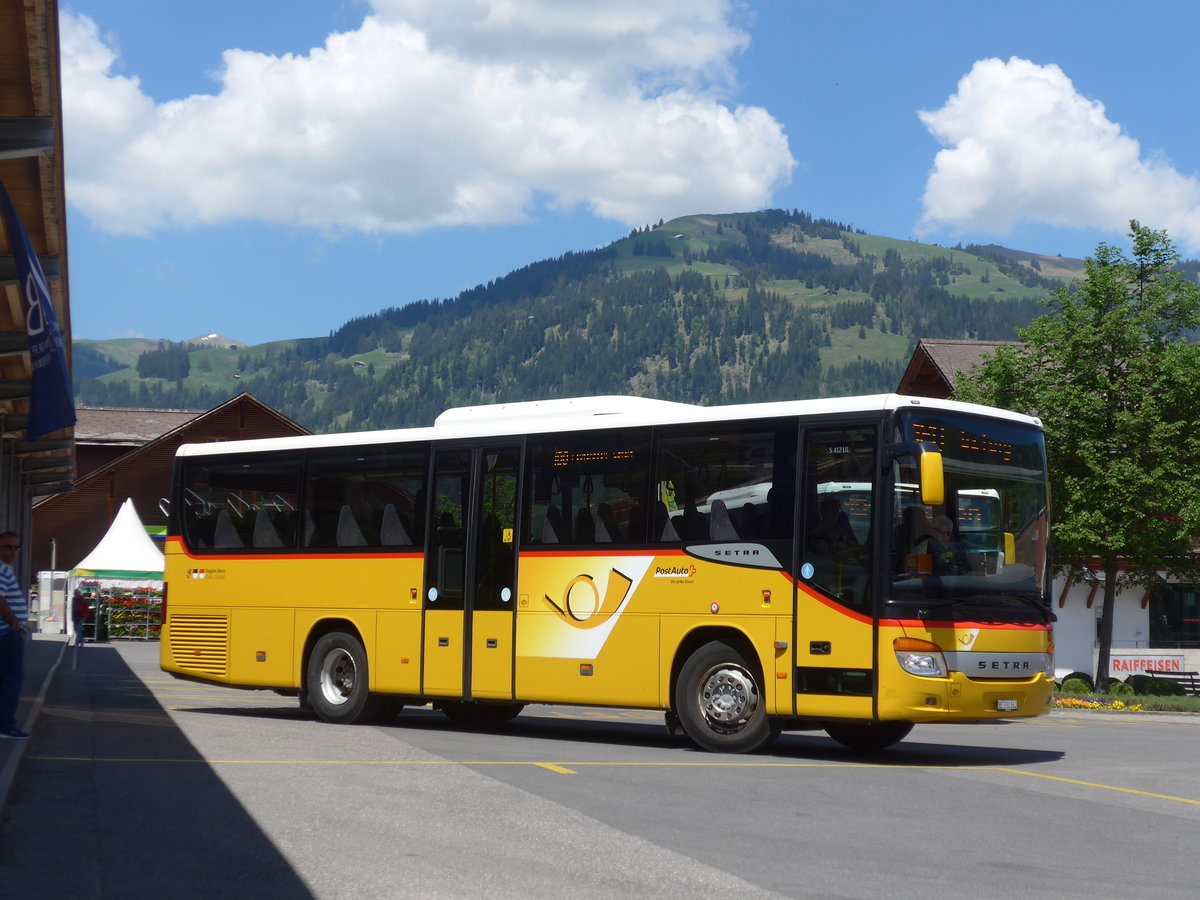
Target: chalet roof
{"x":936,"y":365}
{"x":128,"y":427}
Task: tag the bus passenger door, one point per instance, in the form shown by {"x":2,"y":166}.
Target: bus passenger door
{"x":470,"y":573}
{"x":835,"y":633}
{"x":444,"y":650}
{"x":493,"y":577}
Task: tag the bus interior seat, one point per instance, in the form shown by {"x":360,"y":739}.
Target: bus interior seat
{"x":310,"y":529}
{"x":601,"y":530}
{"x":720,"y":525}
{"x":553,"y":531}
{"x":585,"y":526}
{"x":200,"y":531}
{"x":608,"y":522}
{"x":747,"y":520}
{"x":349,"y":534}
{"x":265,"y":533}
{"x":663,"y":529}
{"x":392,"y":531}
{"x":691,"y":524}
{"x":913,"y":528}
{"x":225,"y":534}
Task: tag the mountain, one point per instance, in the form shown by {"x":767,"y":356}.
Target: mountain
{"x":214,"y":340}
{"x":704,"y":309}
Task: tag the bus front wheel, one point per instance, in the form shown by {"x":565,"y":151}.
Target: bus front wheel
{"x":337,"y":679}
{"x":719,"y":701}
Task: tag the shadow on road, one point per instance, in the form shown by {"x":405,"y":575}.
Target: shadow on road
{"x":644,"y":729}
{"x":113,"y":801}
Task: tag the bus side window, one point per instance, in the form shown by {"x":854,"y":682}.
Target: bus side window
{"x":587,"y":487}
{"x":705,"y":474}
{"x":371,"y":497}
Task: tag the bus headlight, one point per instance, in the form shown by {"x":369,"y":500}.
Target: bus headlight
{"x":919,"y":657}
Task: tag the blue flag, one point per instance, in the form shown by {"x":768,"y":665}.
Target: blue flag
{"x":51,"y":401}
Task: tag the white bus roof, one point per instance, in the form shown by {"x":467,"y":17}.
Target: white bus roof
{"x":592,"y":413}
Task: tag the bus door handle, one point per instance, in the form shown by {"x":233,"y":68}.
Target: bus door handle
{"x":492,"y":643}
{"x":820,"y":648}
{"x":443,"y":642}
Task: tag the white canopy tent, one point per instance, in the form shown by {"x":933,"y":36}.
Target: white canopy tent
{"x":125,"y":553}
{"x":126,"y":566}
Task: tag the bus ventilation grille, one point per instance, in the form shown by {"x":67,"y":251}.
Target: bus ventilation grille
{"x":200,"y":644}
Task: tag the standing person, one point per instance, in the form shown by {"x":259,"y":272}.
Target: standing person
{"x":13,"y":613}
{"x":81,"y":608}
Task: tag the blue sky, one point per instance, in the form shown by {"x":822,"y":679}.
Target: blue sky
{"x":270,"y":169}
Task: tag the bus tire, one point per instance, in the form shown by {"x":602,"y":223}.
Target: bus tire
{"x":869,"y":738}
{"x":338,"y":680}
{"x":481,"y":715}
{"x":719,"y":701}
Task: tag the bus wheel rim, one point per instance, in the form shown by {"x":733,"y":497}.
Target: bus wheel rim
{"x":338,"y":676}
{"x":728,"y":698}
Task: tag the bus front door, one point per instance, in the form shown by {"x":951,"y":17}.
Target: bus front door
{"x":470,"y":573}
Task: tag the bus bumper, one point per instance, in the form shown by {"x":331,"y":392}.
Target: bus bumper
{"x":959,"y":698}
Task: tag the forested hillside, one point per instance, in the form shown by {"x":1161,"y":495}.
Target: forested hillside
{"x":704,"y":309}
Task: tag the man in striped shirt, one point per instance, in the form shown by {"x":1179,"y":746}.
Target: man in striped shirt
{"x":13,"y":613}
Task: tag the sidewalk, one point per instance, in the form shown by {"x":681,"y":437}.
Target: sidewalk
{"x":42,"y":657}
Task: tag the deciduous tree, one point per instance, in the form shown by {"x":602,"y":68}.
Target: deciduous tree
{"x":1112,"y":374}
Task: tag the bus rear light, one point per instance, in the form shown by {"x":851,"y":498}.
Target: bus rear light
{"x":920,"y":657}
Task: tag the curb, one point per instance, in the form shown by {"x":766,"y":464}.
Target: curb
{"x":9,"y":771}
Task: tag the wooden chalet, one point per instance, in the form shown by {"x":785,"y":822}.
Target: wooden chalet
{"x":936,"y":365}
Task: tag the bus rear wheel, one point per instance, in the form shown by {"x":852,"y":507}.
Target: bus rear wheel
{"x":719,"y":701}
{"x":337,"y":685}
{"x":868,"y":738}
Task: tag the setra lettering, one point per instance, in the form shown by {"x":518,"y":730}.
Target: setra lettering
{"x":1002,"y":665}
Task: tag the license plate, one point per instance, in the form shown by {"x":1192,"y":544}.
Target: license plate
{"x":1006,"y":705}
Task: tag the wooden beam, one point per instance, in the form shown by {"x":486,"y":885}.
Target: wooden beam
{"x":1062,"y":598}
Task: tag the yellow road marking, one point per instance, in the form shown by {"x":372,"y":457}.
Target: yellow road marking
{"x":563,"y":770}
{"x":1103,"y":787}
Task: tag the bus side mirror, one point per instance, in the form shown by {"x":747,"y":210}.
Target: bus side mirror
{"x":933,"y":479}
{"x":929,"y":459}
{"x":1010,"y":548}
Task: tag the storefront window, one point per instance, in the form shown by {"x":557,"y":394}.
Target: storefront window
{"x":1175,"y":616}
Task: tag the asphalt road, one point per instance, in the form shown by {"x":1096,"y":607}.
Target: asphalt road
{"x":137,"y":786}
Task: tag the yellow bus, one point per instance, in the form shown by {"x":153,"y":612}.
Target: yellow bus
{"x":745,"y":569}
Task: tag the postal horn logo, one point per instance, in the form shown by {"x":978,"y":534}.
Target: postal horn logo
{"x":582,"y":604}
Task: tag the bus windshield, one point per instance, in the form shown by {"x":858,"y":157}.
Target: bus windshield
{"x":981,"y":553}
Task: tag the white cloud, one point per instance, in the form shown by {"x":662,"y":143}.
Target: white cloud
{"x":433,"y":113}
{"x":1023,"y":145}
